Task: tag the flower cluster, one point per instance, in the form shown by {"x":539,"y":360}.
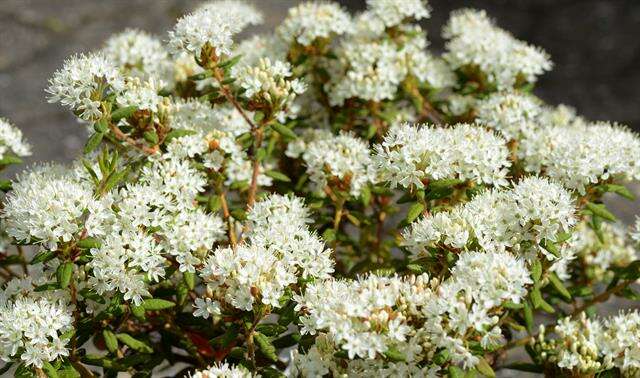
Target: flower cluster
{"x":11,"y":140}
{"x":279,"y":249}
{"x":532,"y":211}
{"x":479,"y":48}
{"x":341,"y":161}
{"x":83,"y":82}
{"x":413,"y":155}
{"x":589,"y":346}
{"x":33,"y":326}
{"x":582,"y":154}
{"x":310,"y":21}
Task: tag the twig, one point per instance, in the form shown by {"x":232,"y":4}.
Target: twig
{"x":227,"y":217}
{"x":125,"y":138}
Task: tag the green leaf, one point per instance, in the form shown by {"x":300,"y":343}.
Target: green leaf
{"x":620,"y":190}
{"x":49,"y":370}
{"x":415,"y":268}
{"x":539,"y":302}
{"x":214,"y":203}
{"x":133,"y":343}
{"x":42,"y":257}
{"x":528,"y":316}
{"x":239,"y":214}
{"x":536,"y":270}
{"x":563,"y":237}
{"x":393,"y":354}
{"x":64,"y":273}
{"x":156,"y":304}
{"x":600,"y":210}
{"x":200,"y":76}
{"x":484,"y":368}
{"x":441,"y":357}
{"x":91,"y":294}
{"x":93,"y":142}
{"x":231,"y":62}
{"x":101,"y":126}
{"x":6,"y":185}
{"x":414,"y":212}
{"x":329,"y":235}
{"x":258,"y":116}
{"x":89,"y":243}
{"x":551,"y":247}
{"x":10,"y":159}
{"x":151,"y":137}
{"x":110,"y":340}
{"x":559,"y":286}
{"x":271,"y":329}
{"x":278,"y":176}
{"x":455,"y":372}
{"x":284,"y":130}
{"x":189,"y":279}
{"x":138,"y":312}
{"x":24,"y":371}
{"x":445,"y":183}
{"x":121,"y":113}
{"x":266,"y":348}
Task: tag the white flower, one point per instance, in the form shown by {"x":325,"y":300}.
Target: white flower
{"x":223,"y":370}
{"x":367,"y":70}
{"x":139,"y":54}
{"x":312,"y":20}
{"x":344,"y":157}
{"x":412,"y":155}
{"x":393,"y":12}
{"x":513,"y":114}
{"x":243,"y":13}
{"x":205,"y":307}
{"x":46,"y":206}
{"x":476,"y":43}
{"x":581,"y":155}
{"x":205,"y":27}
{"x":277,"y":250}
{"x":533,"y":210}
{"x":12,"y":141}
{"x":270,"y":82}
{"x":83,"y":82}
{"x":142,"y":95}
{"x":34,"y":323}
{"x":620,"y":342}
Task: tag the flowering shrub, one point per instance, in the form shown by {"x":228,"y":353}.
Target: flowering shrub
{"x":331,"y":199}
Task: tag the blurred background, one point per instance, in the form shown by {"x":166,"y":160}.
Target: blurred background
{"x":593,"y":43}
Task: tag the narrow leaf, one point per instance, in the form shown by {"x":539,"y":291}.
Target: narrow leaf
{"x":414,"y":212}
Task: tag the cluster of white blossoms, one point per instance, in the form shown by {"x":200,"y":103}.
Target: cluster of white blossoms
{"x":139,"y":54}
{"x":271,"y":83}
{"x":413,"y":155}
{"x":341,"y":161}
{"x":310,"y":21}
{"x":535,"y":209}
{"x":512,"y":114}
{"x":615,"y":250}
{"x":580,"y":154}
{"x":223,"y":370}
{"x":33,"y":325}
{"x":83,"y":82}
{"x":212,"y":26}
{"x":143,"y":95}
{"x":278,"y":249}
{"x":476,"y":43}
{"x":11,"y":140}
{"x":46,"y":206}
{"x":145,"y":224}
{"x":374,"y":316}
{"x":589,"y":346}
{"x":393,"y":13}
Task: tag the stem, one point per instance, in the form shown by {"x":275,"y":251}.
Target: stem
{"x":125,"y":138}
{"x":227,"y":217}
{"x":336,"y":220}
{"x":258,"y":135}
{"x":601,"y":297}
{"x":25,"y":269}
{"x":218,"y":74}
